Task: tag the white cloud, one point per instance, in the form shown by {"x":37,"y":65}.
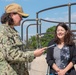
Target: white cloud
{"x":73,"y":17}
{"x":59,"y":19}
{"x":63,"y":19}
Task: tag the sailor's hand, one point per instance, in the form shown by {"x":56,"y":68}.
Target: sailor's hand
{"x":39,"y":52}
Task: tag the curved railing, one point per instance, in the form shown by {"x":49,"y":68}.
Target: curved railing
{"x":38,"y":20}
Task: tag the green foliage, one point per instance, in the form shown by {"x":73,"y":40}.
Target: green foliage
{"x":32,"y":43}
{"x":43,"y":40}
{"x":48,"y":36}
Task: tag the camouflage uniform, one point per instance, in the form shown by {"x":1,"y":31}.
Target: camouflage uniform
{"x":12,"y":57}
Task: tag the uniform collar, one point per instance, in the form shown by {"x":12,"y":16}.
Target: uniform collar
{"x":12,"y":30}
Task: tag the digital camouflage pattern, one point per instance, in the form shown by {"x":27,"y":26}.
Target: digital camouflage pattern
{"x":12,"y":57}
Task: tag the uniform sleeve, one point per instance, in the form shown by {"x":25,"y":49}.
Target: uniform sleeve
{"x":12,"y":50}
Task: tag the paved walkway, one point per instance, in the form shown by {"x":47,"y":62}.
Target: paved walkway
{"x":38,"y":66}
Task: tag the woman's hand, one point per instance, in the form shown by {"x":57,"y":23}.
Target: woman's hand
{"x":61,"y":72}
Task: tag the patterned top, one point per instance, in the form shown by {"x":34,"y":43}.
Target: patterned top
{"x":65,"y":55}
{"x":61,"y":56}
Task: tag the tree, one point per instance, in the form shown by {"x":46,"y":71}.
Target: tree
{"x":48,"y":36}
{"x":43,"y":40}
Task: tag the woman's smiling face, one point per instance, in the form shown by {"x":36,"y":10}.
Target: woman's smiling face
{"x":61,"y":32}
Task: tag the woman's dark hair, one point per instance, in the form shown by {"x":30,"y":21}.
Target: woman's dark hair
{"x":7,"y":18}
{"x":68,"y":39}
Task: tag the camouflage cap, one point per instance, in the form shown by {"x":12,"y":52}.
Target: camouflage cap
{"x":15,"y":8}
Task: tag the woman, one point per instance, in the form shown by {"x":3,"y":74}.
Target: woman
{"x":61,"y":55}
{"x":12,"y":52}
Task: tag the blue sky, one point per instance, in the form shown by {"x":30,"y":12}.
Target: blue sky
{"x":33,"y":6}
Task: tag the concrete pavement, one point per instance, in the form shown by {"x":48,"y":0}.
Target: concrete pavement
{"x":38,"y":66}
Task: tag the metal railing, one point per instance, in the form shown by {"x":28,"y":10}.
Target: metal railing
{"x":38,"y":20}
